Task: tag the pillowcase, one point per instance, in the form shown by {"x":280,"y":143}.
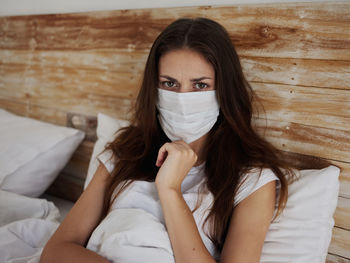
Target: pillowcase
{"x":32,"y":153}
{"x":107,"y":128}
{"x":303,"y":231}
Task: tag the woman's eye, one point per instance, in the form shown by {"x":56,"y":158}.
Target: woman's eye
{"x":168,"y":84}
{"x":201,"y":85}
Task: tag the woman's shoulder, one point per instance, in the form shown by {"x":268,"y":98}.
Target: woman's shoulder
{"x":252,"y":180}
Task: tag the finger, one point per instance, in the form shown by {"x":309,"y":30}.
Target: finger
{"x":160,"y":159}
{"x":162,"y":154}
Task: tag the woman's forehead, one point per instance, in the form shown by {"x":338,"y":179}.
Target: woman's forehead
{"x":185,"y":63}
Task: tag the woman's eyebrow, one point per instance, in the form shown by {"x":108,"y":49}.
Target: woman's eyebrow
{"x":199,"y":79}
{"x":175,"y":80}
{"x":169,"y":78}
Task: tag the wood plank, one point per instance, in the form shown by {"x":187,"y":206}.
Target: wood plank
{"x":76,"y":168}
{"x":297,"y":72}
{"x":342,"y":214}
{"x":111,"y":73}
{"x":296,"y":30}
{"x":67,"y":187}
{"x":344,"y":178}
{"x":15,"y":107}
{"x":336,"y":259}
{"x":321,"y":142}
{"x":340,"y":244}
{"x":101,"y":70}
{"x":47,"y":87}
{"x":46,"y":114}
{"x":126,"y":69}
{"x":84,"y":151}
{"x":321,"y":107}
{"x":79,"y":163}
{"x":67,"y":83}
{"x":73,"y":101}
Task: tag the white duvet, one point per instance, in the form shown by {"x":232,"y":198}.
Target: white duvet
{"x":124,"y":236}
{"x":131,"y":236}
{"x":26,"y":224}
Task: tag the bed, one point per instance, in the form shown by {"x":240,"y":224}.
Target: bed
{"x":73,"y":70}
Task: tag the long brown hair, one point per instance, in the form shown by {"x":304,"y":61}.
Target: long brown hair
{"x":233,"y":147}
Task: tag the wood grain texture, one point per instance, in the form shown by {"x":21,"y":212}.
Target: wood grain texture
{"x":327,"y":108}
{"x":47,"y":114}
{"x":300,"y":30}
{"x":340,"y":244}
{"x":66,"y":187}
{"x":322,"y":142}
{"x":103,"y":72}
{"x":336,"y":259}
{"x":342,"y":214}
{"x":297,"y":72}
{"x":78,"y":165}
{"x":344,"y":178}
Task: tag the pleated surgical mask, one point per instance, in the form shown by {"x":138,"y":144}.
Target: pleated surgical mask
{"x":187,"y":116}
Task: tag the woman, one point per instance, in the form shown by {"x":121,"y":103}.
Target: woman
{"x":194,"y":110}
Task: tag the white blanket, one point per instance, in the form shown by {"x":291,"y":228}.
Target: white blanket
{"x":131,"y":236}
{"x":26,"y":224}
{"x":125,"y":235}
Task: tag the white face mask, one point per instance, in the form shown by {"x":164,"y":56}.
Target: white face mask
{"x":187,"y":116}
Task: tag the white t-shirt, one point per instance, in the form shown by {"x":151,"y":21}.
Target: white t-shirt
{"x":144,"y":195}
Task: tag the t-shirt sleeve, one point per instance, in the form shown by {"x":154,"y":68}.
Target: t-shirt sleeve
{"x":107,"y":159}
{"x":252,"y":181}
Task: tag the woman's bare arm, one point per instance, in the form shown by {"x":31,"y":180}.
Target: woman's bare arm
{"x":245,"y":238}
{"x":185,"y":239}
{"x":248,"y":227}
{"x":67,"y":243}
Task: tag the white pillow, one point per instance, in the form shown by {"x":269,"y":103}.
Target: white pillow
{"x":32,"y":153}
{"x":302,"y":233}
{"x":107,"y":128}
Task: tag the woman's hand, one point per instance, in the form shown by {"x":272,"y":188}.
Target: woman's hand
{"x":175,"y":159}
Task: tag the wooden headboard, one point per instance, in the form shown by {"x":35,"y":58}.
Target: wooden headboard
{"x":66,"y":68}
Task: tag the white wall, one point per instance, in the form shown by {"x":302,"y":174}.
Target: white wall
{"x":26,"y":7}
